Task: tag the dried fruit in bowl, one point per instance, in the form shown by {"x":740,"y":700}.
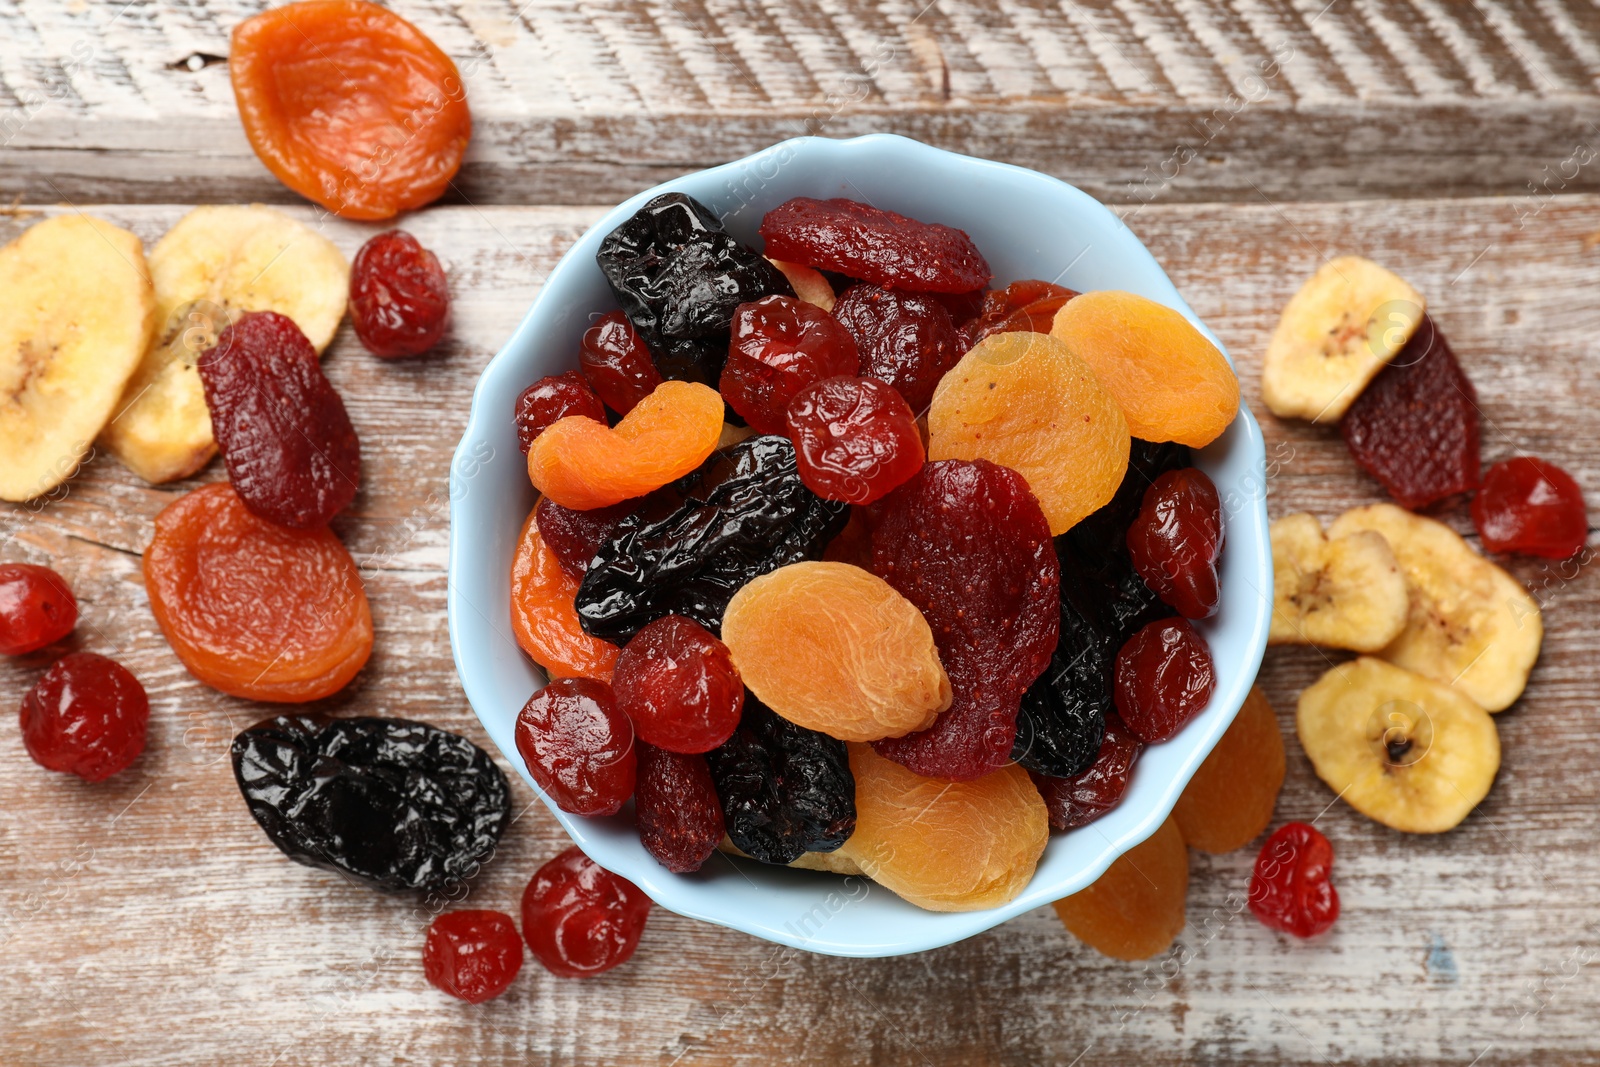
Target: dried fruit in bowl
{"x":578,"y":746}
{"x":1177,"y":540}
{"x":781,"y":345}
{"x":855,"y":439}
{"x":1082,"y":798}
{"x":543,"y":618}
{"x":1025,"y":306}
{"x":617,"y":363}
{"x":678,"y":685}
{"x":676,"y":806}
{"x":906,"y":340}
{"x":877,"y":246}
{"x":1165,"y":676}
{"x":551,"y":399}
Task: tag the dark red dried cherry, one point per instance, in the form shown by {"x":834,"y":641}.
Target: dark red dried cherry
{"x":906,"y":340}
{"x":781,"y":345}
{"x":86,"y":716}
{"x":1291,"y":888}
{"x":617,"y":362}
{"x":551,"y":399}
{"x":1083,"y":798}
{"x":875,"y":245}
{"x":1164,"y":679}
{"x":578,"y":746}
{"x":472,"y":955}
{"x":37,"y":608}
{"x":574,"y":536}
{"x":1177,"y":539}
{"x":579,"y":919}
{"x":1025,"y":307}
{"x":855,"y":439}
{"x":1530,"y":506}
{"x":679,"y":686}
{"x":399,"y":298}
{"x":676,"y":807}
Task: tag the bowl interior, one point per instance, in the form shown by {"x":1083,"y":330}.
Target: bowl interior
{"x":1028,"y":226}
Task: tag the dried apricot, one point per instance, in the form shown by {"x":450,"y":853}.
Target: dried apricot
{"x":833,"y":648}
{"x":1024,"y":401}
{"x":1170,"y":381}
{"x":543,"y":617}
{"x":1135,"y":909}
{"x":252,"y":608}
{"x":551,"y":399}
{"x":1230,"y":798}
{"x":580,"y":463}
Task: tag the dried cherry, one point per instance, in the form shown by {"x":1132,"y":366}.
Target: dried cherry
{"x":1084,"y":797}
{"x":617,"y":362}
{"x":875,"y":245}
{"x":1026,"y":306}
{"x":905,"y":339}
{"x":781,"y":345}
{"x":472,"y":955}
{"x":1291,"y":888}
{"x":399,"y":298}
{"x":578,"y":746}
{"x":551,"y":399}
{"x":37,"y":608}
{"x":86,"y":716}
{"x":678,"y":685}
{"x":855,"y":438}
{"x":579,"y":919}
{"x":1177,"y":539}
{"x":1164,"y":679}
{"x":1531,"y":506}
{"x":573,"y":536}
{"x":675,"y":804}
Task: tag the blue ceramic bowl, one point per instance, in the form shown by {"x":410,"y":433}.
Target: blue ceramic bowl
{"x":1028,"y":226}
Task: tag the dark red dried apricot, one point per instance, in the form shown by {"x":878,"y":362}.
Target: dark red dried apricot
{"x":1164,"y":679}
{"x":1530,"y":506}
{"x":551,"y":399}
{"x":578,"y":746}
{"x":1083,"y":798}
{"x":472,"y":955}
{"x":676,"y":807}
{"x":875,"y":245}
{"x":855,"y":439}
{"x":781,"y":345}
{"x":906,"y":340}
{"x":1177,"y":539}
{"x":86,"y":716}
{"x":579,"y":919}
{"x":399,"y":298}
{"x":617,"y":362}
{"x":37,"y":608}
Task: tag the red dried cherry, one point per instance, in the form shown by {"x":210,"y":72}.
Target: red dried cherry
{"x":906,"y":340}
{"x":676,"y":807}
{"x":781,"y":345}
{"x":1083,"y":798}
{"x":875,"y":245}
{"x":472,"y":955}
{"x":617,"y":362}
{"x":574,"y":536}
{"x":1528,"y":505}
{"x":1291,"y":888}
{"x":551,"y":399}
{"x":855,"y":439}
{"x":37,"y":608}
{"x":1176,"y":540}
{"x":86,"y":716}
{"x":578,"y":746}
{"x":399,"y":298}
{"x":679,"y":686}
{"x":1021,"y":307}
{"x":579,"y":919}
{"x":1164,"y":678}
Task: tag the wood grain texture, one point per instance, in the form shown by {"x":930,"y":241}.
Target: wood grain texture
{"x":148,"y":921}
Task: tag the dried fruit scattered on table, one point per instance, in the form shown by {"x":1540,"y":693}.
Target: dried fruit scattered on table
{"x":1177,"y":540}
{"x":579,"y":919}
{"x":966,"y":543}
{"x":37,"y":608}
{"x":1344,"y":593}
{"x":399,"y":297}
{"x":1170,"y":381}
{"x":1025,"y":306}
{"x":86,"y":716}
{"x":1404,"y":750}
{"x":472,"y":955}
{"x":252,"y":608}
{"x":856,"y":438}
{"x":836,"y":649}
{"x":1024,"y":401}
{"x":573,"y":537}
{"x":875,"y":245}
{"x":578,"y":746}
{"x":373,"y":121}
{"x":946,"y":846}
{"x":1164,"y":679}
{"x":1528,"y":505}
{"x":1291,"y":888}
{"x":399,"y":804}
{"x":617,"y":362}
{"x":291,"y":452}
{"x":76,"y":313}
{"x":678,"y":685}
{"x":785,"y":790}
{"x":676,"y":807}
{"x":1083,"y":798}
{"x":1470,"y":624}
{"x":809,"y":284}
{"x":906,"y":340}
{"x":691,"y":544}
{"x":1135,"y":909}
{"x":781,"y":345}
{"x":551,"y":399}
{"x":679,"y":277}
{"x":581,"y":463}
{"x":1229,"y":800}
{"x":1345,"y":323}
{"x":543,"y":619}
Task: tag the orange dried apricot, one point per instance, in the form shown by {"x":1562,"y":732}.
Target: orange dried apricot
{"x":254,"y":609}
{"x":543,"y":618}
{"x":1170,"y":381}
{"x":582,"y":464}
{"x":1135,"y":909}
{"x":1230,"y":798}
{"x":350,"y":105}
{"x":1024,"y":401}
{"x":834,"y":648}
{"x":945,"y":846}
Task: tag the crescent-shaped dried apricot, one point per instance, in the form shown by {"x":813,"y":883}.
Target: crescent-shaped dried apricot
{"x":543,"y":618}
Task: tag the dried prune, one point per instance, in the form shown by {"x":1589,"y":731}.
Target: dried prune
{"x":573,"y":536}
{"x":617,"y":362}
{"x":781,"y":345}
{"x":399,"y":804}
{"x":579,"y":919}
{"x":1177,"y":539}
{"x":1164,"y":679}
{"x":1026,"y":306}
{"x":86,"y":716}
{"x":578,"y":746}
{"x":551,"y":399}
{"x":679,"y":276}
{"x":472,"y":955}
{"x":856,"y":438}
{"x":693,"y":543}
{"x":1084,"y":797}
{"x":1529,"y":505}
{"x":784,"y":789}
{"x":678,"y":685}
{"x":1291,"y":888}
{"x":676,"y":807}
{"x":399,"y":299}
{"x":37,"y":608}
{"x":285,"y":436}
{"x":904,"y":339}
{"x":878,"y":246}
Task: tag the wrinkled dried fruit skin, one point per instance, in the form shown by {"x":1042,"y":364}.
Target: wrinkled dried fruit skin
{"x":399,"y":298}
{"x":1084,"y":797}
{"x":472,"y":955}
{"x":37,"y":608}
{"x":693,"y":543}
{"x":579,"y":919}
{"x":617,"y":362}
{"x":1164,"y":679}
{"x":1177,"y":540}
{"x":856,"y":439}
{"x":578,"y":746}
{"x":784,"y":789}
{"x":1136,"y":909}
{"x":1230,"y":798}
{"x":904,"y":339}
{"x":678,"y":685}
{"x":1415,"y":426}
{"x":875,"y":245}
{"x":543,"y":619}
{"x":967,"y":544}
{"x":781,"y":345}
{"x":1029,"y":306}
{"x":551,"y":399}
{"x":574,"y":536}
{"x":254,"y":609}
{"x":1291,"y":888}
{"x":675,"y":804}
{"x":285,"y":436}
{"x":1528,"y":505}
{"x":398,"y":804}
{"x":679,"y":276}
{"x":86,"y":716}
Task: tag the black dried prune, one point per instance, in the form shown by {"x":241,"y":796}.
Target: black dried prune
{"x":692,"y":544}
{"x":678,"y":276}
{"x":399,"y":804}
{"x":785,"y":790}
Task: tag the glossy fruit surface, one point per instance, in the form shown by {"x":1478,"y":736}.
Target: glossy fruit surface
{"x":1528,"y":505}
{"x":575,"y":536}
{"x":399,"y":297}
{"x":1164,"y":679}
{"x":676,"y":807}
{"x":1176,"y":541}
{"x":1291,"y":888}
{"x":86,"y":716}
{"x":905,"y":339}
{"x":1136,"y":909}
{"x":579,"y":919}
{"x":779,"y":346}
{"x":37,"y":608}
{"x":472,"y":955}
{"x":617,"y":362}
{"x":543,"y":619}
{"x":551,"y":399}
{"x":1025,"y":306}
{"x":875,"y":245}
{"x":678,"y":685}
{"x":1229,"y":800}
{"x":578,"y":746}
{"x":1084,"y":797}
{"x":855,"y":439}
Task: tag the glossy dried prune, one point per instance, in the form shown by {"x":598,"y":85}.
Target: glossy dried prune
{"x":551,"y":399}
{"x":37,"y":608}
{"x":617,"y":362}
{"x":781,"y":345}
{"x":856,"y":438}
{"x":676,"y":807}
{"x":578,"y":746}
{"x":904,"y":339}
{"x":1177,"y":539}
{"x":291,"y":452}
{"x":579,"y":919}
{"x":678,"y":685}
{"x":1291,"y":888}
{"x":1531,"y":506}
{"x":1165,"y":677}
{"x":399,"y":298}
{"x":691,"y":544}
{"x":1084,"y":797}
{"x":878,"y":246}
{"x":1026,"y":306}
{"x":784,"y":789}
{"x":402,"y":805}
{"x":86,"y":716}
{"x":472,"y":955}
{"x":573,"y":536}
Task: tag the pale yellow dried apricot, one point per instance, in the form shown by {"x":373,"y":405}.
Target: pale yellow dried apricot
{"x":1135,"y":909}
{"x":1230,"y":798}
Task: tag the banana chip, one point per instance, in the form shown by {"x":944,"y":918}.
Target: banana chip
{"x":1344,"y":593}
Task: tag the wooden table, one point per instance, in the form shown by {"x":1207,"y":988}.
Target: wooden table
{"x":148,"y":921}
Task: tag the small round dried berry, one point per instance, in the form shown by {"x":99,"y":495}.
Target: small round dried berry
{"x":679,"y":686}
{"x":1177,"y":539}
{"x":1027,"y":306}
{"x":1083,"y":798}
{"x":1291,"y":888}
{"x":617,"y":362}
{"x":1164,"y":679}
{"x":472,"y":955}
{"x":1530,"y":506}
{"x":578,"y":746}
{"x":579,"y":919}
{"x":551,"y":399}
{"x":676,"y":807}
{"x":86,"y":716}
{"x":856,"y":439}
{"x":906,"y":340}
{"x":399,"y":298}
{"x":574,"y":536}
{"x":781,"y":345}
{"x":36,"y":608}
